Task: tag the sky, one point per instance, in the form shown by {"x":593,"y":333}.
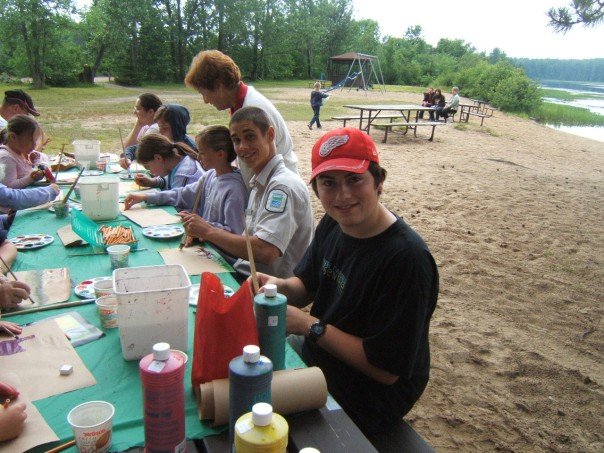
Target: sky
{"x":517,"y":27}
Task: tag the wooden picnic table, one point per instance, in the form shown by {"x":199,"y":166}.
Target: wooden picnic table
{"x":370,"y":112}
{"x":409,"y":113}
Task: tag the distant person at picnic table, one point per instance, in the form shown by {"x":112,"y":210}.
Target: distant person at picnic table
{"x":281,"y":223}
{"x":145,"y":108}
{"x":16,"y":102}
{"x":18,"y":143}
{"x":450,"y":107}
{"x":427,"y":101}
{"x":224,"y":192}
{"x":172,"y":165}
{"x":373,"y":285}
{"x":316,"y":102}
{"x":218,"y":79}
{"x":438,"y":101}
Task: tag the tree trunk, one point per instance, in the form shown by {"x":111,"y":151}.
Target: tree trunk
{"x":179,"y":44}
{"x":98,"y":60}
{"x":309,"y":58}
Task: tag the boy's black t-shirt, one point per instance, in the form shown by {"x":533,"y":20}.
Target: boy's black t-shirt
{"x":383,"y":290}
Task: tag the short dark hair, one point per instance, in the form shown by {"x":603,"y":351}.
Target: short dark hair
{"x":150,"y":101}
{"x":255,"y":115}
{"x":378,"y":173}
{"x":218,"y":138}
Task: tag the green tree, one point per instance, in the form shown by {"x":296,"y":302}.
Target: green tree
{"x":35,"y":28}
{"x":590,"y":13}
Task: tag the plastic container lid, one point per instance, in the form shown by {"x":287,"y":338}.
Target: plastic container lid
{"x":161,"y":351}
{"x":309,"y":450}
{"x":251,"y":353}
{"x":262,"y":414}
{"x":270,"y":290}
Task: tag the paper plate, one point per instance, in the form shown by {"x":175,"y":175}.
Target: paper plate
{"x":163,"y":231}
{"x":194,"y":293}
{"x":85,"y":289}
{"x":92,"y":173}
{"x":31,"y":241}
{"x":129,"y":176}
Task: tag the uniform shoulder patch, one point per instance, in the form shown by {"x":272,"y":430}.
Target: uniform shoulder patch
{"x":276,"y":201}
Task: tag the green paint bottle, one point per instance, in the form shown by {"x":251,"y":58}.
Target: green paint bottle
{"x":271,"y":308}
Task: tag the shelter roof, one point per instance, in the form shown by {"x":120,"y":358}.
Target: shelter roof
{"x":350,"y":56}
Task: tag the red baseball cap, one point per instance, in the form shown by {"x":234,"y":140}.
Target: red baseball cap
{"x":347,"y":149}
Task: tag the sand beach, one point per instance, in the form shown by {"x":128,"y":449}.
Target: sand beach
{"x":513,"y":213}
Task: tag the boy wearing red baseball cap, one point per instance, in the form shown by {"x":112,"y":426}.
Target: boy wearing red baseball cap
{"x":373,"y":284}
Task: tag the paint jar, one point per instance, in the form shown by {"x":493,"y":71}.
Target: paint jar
{"x":261,"y":431}
{"x":61,"y":208}
{"x":250,"y":378}
{"x":162,"y":376}
{"x":270,"y":308}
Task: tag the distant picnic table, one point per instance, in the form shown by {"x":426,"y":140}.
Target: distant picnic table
{"x":408,"y":114}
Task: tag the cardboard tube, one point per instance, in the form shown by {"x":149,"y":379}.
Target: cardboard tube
{"x":292,"y":391}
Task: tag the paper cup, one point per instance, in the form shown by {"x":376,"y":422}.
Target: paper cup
{"x":61,"y":209}
{"x":103,"y":288}
{"x":91,"y":423}
{"x":118,"y":254}
{"x":107,"y":308}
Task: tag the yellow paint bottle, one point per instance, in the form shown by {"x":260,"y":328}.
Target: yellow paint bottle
{"x":261,"y":431}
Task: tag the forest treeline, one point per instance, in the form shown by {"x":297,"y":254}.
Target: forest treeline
{"x":576,"y":70}
{"x":151,"y":41}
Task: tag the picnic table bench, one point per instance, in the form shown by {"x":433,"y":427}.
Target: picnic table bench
{"x":408,"y":125}
{"x":467,"y":110}
{"x":333,"y":431}
{"x":357,"y":118}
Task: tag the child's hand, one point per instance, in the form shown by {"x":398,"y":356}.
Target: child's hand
{"x":144,"y":181}
{"x":12,"y":421}
{"x":36,"y":175}
{"x":134,"y":198}
{"x":125,"y":163}
{"x":13,"y":328}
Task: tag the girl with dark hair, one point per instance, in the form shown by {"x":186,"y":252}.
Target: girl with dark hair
{"x":224,"y":192}
{"x":21,"y":136}
{"x":145,"y":108}
{"x":173,"y":165}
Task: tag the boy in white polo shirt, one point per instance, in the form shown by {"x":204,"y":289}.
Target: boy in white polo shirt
{"x":281,"y":224}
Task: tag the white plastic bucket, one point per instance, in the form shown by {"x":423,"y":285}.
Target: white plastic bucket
{"x":100,"y":197}
{"x":153,"y":307}
{"x":87,"y":151}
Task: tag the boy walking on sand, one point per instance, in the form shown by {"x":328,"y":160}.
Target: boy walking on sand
{"x":316,"y":102}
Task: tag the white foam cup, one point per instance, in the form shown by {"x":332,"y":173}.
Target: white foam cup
{"x":92,"y":423}
{"x":118,"y":254}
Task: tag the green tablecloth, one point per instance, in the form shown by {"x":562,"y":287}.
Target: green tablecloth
{"x":117,"y":380}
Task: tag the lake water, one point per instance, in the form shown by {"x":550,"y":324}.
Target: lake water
{"x":596,"y":105}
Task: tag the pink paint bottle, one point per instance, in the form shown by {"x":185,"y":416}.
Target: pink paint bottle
{"x":162,"y":376}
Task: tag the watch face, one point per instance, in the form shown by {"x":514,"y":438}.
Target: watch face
{"x":316,"y":330}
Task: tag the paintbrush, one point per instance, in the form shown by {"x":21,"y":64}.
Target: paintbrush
{"x":10,"y":271}
{"x":59,"y":164}
{"x":250,"y":253}
{"x":123,"y":149}
{"x":75,"y":303}
{"x":62,"y":447}
{"x":73,"y":185}
{"x":196,"y":204}
{"x":103,"y":253}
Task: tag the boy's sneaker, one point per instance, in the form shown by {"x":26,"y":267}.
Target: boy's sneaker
{"x":309,"y":127}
